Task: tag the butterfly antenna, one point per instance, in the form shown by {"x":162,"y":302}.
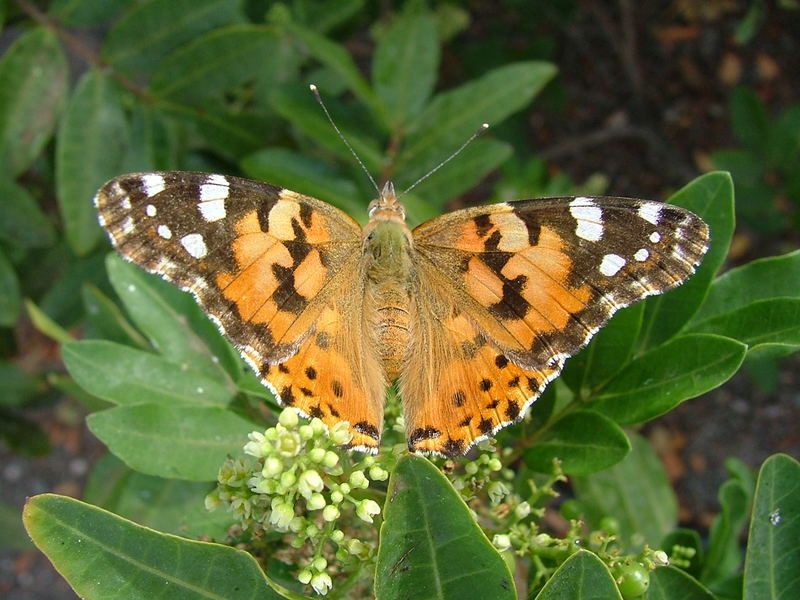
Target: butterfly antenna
{"x":480,"y":131}
{"x":341,"y":136}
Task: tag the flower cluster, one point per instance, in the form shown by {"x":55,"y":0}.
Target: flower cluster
{"x":292,"y":481}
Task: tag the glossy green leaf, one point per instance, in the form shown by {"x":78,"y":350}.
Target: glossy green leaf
{"x":132,"y":562}
{"x":635,"y":491}
{"x":297,"y":105}
{"x":175,"y":442}
{"x":148,"y":33}
{"x":772,"y":277}
{"x":215,"y":63}
{"x":22,"y":222}
{"x":170,"y":319}
{"x":18,"y":386}
{"x":33,"y":92}
{"x":430,"y":546}
{"x":584,"y":441}
{"x":92,"y":140}
{"x":153,"y":144}
{"x":773,"y":550}
{"x":724,"y":557}
{"x":583,"y":576}
{"x":123,"y":375}
{"x":404,"y":66}
{"x":306,"y":175}
{"x":671,"y":583}
{"x":337,"y":59}
{"x":453,"y":115}
{"x":710,"y":197}
{"x":168,"y":505}
{"x":87,"y":13}
{"x":44,"y":324}
{"x":774,"y":323}
{"x":10,"y":299}
{"x":106,"y":321}
{"x":609,"y":351}
{"x":662,"y":378}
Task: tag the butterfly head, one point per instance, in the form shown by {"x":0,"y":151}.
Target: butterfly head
{"x":387,"y":207}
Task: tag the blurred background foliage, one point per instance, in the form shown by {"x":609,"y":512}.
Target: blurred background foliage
{"x":630,"y":99}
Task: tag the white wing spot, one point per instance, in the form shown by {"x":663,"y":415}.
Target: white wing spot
{"x":589,"y":217}
{"x":650,"y":212}
{"x":127,"y":225}
{"x":150,"y":210}
{"x":641,"y":255}
{"x":611,"y":264}
{"x":164,"y":231}
{"x":216,"y":187}
{"x":212,"y":210}
{"x":194,"y":245}
{"x":153,"y":184}
{"x":655,"y":237}
{"x":126,"y":202}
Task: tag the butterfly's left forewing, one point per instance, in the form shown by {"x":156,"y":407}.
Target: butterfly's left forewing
{"x":527,"y":283}
{"x":275,"y":271}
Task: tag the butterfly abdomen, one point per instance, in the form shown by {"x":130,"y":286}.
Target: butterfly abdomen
{"x":388,"y":268}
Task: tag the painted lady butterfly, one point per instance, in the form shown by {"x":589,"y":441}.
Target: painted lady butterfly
{"x":473,"y":312}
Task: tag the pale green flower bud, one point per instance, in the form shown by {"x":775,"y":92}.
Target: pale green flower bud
{"x":368,"y":460}
{"x":497,"y":491}
{"x":272,"y":466}
{"x":330,"y":513}
{"x":660,"y":558}
{"x":522,"y":510}
{"x":331,"y":459}
{"x":319,"y":564}
{"x":309,"y":482}
{"x":495,"y":464}
{"x":337,"y":536}
{"x":289,"y":444}
{"x":288,"y":479}
{"x":501,"y":541}
{"x":337,"y":497}
{"x":321,"y":583}
{"x":306,"y":432}
{"x":345,"y":488}
{"x":359,"y":480}
{"x":340,"y":433}
{"x":471,"y":468}
{"x":212,"y":500}
{"x":316,"y":455}
{"x":376,"y":473}
{"x":312,"y":530}
{"x":296,"y":525}
{"x":281,"y":516}
{"x":288,"y":418}
{"x":318,"y":426}
{"x":304,"y":576}
{"x":366,"y":509}
{"x":316,"y":502}
{"x":356,"y":547}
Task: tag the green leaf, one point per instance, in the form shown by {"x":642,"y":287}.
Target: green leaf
{"x":33,"y":91}
{"x":766,"y":326}
{"x":152,"y":141}
{"x":133,"y":562}
{"x":297,"y":105}
{"x":772,"y":277}
{"x":123,"y":375}
{"x":583,"y":576}
{"x":688,"y":538}
{"x":171,"y":320}
{"x":404,"y":66}
{"x":608,"y":352}
{"x":724,"y":558}
{"x":215,"y":63}
{"x":305,"y":175}
{"x":22,"y":222}
{"x":87,"y":13}
{"x":168,"y":505}
{"x":784,"y":144}
{"x":453,"y":115}
{"x":152,"y":30}
{"x":662,"y":378}
{"x":584,"y":441}
{"x":10,"y":299}
{"x":430,"y":546}
{"x":44,"y":324}
{"x":339,"y":60}
{"x":61,"y":301}
{"x":91,"y":145}
{"x":710,"y":197}
{"x":773,"y":552}
{"x":635,"y":491}
{"x":12,"y":533}
{"x":176,"y":442}
{"x":749,"y":119}
{"x":106,"y":321}
{"x":18,"y":386}
{"x":670,"y":583}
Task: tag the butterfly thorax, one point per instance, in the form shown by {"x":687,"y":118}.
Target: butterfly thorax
{"x":389,"y":269}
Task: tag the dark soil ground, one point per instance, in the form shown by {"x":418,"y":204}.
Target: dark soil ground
{"x":647,"y":87}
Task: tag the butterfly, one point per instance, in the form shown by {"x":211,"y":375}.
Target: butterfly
{"x":473,"y":313}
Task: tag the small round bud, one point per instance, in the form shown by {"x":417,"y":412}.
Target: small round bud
{"x":304,"y":576}
{"x":319,"y":564}
{"x":501,"y":541}
{"x":495,"y":464}
{"x":306,"y":432}
{"x":337,"y":497}
{"x":522,"y":510}
{"x":316,"y":455}
{"x":288,"y":418}
{"x":330,"y":513}
{"x":272,"y":466}
{"x":337,"y":536}
{"x":358,"y":479}
{"x":316,"y":502}
{"x":471,"y":468}
{"x":330,"y":460}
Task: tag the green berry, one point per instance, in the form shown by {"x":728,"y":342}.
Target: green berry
{"x":571,"y":509}
{"x":632,"y":580}
{"x":610,"y":525}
